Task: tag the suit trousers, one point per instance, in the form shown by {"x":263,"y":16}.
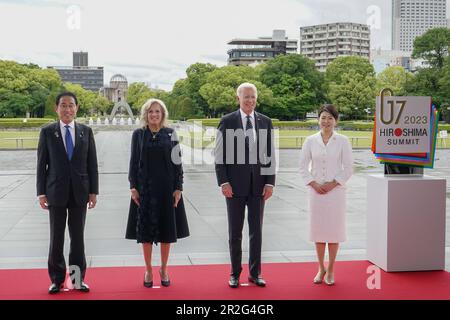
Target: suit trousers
{"x":76,"y":218}
{"x":236,"y":215}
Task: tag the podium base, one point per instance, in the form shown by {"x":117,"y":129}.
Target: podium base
{"x":406,"y":222}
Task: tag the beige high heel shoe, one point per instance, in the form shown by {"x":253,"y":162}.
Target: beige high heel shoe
{"x":319,"y":276}
{"x":329,"y":279}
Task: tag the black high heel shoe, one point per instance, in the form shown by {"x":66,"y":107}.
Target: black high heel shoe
{"x":164,"y":283}
{"x":147,"y":284}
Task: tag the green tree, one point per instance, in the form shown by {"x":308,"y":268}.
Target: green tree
{"x":180,"y":103}
{"x":139,"y":93}
{"x":136,"y":91}
{"x":295,"y":83}
{"x":395,"y":78}
{"x":219,"y":91}
{"x":197,"y":74}
{"x":351,"y":85}
{"x":353,"y":94}
{"x":13,"y":104}
{"x":444,"y":89}
{"x":90,"y":103}
{"x":342,"y":65}
{"x":25,"y":88}
{"x":433,"y":46}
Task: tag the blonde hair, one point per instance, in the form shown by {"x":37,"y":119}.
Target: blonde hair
{"x":144,"y":112}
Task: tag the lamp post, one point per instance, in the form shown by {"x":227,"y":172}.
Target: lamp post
{"x":367,"y":110}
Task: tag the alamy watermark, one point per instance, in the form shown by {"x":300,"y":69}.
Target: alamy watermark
{"x":374,"y":17}
{"x":75,"y":276}
{"x":73,"y":21}
{"x":374,"y":280}
{"x":215,"y":147}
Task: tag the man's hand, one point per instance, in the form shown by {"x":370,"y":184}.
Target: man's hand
{"x":92,"y":201}
{"x":319,"y":188}
{"x":135,"y":197}
{"x":43,"y":202}
{"x":227,"y":190}
{"x":267,"y":192}
{"x":177,"y":197}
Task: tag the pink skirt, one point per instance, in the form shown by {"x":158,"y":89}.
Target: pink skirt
{"x":327,"y":215}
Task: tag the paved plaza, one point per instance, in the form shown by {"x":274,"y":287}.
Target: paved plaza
{"x":24,"y":229}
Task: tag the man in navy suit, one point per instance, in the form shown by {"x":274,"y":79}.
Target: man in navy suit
{"x":245,"y":170}
{"x":67,"y":183}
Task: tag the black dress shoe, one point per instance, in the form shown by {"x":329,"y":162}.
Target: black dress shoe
{"x":83,"y":287}
{"x":55,"y":288}
{"x":258,"y":281}
{"x":233,"y":282}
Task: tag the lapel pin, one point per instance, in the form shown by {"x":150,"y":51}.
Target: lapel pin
{"x":56,"y":134}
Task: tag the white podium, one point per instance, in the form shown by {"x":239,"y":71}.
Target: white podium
{"x":406,"y":222}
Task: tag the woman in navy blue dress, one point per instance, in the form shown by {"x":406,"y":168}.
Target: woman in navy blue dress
{"x":157,"y":213}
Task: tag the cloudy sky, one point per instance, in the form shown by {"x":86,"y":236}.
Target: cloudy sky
{"x":155,"y":41}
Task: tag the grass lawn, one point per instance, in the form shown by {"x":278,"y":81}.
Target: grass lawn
{"x":293,"y":139}
{"x":30,"y":139}
{"x":286,"y":138}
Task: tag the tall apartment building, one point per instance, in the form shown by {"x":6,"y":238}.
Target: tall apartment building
{"x":90,"y":78}
{"x":412,"y":18}
{"x":80,"y":59}
{"x":324,"y":43}
{"x":253,"y":51}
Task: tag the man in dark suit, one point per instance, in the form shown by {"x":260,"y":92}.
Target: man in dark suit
{"x":67,"y":183}
{"x":245,"y":169}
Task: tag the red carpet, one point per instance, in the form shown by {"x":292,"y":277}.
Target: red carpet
{"x":285,"y":281}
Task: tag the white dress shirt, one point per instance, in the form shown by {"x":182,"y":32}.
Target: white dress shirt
{"x":325,"y":163}
{"x":252,"y":120}
{"x":62,"y":125}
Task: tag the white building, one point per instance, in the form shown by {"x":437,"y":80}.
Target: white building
{"x":324,"y":43}
{"x":412,"y":18}
{"x":258,"y":50}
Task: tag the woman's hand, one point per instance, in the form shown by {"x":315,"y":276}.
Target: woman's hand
{"x":176,"y":197}
{"x":329,"y":186}
{"x":318,"y":187}
{"x":135,"y":196}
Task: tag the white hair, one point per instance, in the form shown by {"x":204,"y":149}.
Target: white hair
{"x":246,"y":85}
{"x":144,"y":112}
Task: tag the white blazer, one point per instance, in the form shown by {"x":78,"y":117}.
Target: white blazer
{"x":324,"y":163}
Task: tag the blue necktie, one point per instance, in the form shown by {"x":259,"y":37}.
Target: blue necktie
{"x":69,"y":143}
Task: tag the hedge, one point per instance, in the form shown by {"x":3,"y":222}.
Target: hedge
{"x":18,"y":123}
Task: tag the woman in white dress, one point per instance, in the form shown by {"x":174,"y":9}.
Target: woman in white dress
{"x":326,"y":164}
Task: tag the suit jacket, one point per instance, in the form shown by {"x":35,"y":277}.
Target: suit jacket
{"x":245,"y":178}
{"x":55,"y":172}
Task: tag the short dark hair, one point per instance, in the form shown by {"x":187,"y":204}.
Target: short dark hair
{"x":66,"y":94}
{"x":330,"y":109}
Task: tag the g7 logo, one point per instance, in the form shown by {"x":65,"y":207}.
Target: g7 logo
{"x":392,"y":104}
{"x":391,"y":117}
